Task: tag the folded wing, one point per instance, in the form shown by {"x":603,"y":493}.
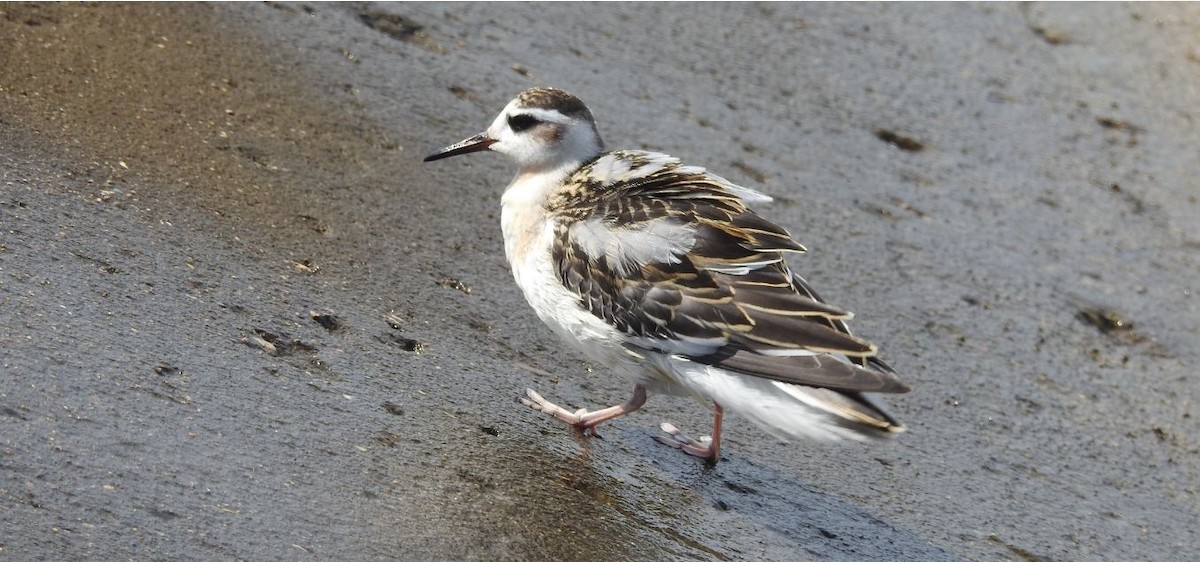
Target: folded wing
{"x":673,"y":257}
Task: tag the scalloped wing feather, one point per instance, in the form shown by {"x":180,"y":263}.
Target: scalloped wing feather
{"x":674,"y":258}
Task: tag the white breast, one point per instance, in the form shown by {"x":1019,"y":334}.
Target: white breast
{"x":528,"y":238}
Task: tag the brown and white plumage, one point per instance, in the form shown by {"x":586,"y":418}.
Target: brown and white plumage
{"x":663,"y":271}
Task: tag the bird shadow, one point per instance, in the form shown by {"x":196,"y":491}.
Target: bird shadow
{"x":821,"y":524}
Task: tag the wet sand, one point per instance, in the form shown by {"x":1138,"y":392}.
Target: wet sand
{"x":239,"y":319}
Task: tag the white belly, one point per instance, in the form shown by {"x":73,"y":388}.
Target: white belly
{"x":528,"y":239}
{"x":527,"y":243}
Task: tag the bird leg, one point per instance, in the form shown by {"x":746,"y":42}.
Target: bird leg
{"x":582,"y":419}
{"x":707,"y":448}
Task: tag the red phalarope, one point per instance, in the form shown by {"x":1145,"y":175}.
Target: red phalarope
{"x":661,"y":271}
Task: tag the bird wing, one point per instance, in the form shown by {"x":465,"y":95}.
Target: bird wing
{"x":674,"y":258}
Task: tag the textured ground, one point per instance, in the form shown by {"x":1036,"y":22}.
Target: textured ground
{"x":240,"y":319}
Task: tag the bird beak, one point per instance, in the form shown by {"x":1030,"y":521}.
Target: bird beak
{"x":473,"y":144}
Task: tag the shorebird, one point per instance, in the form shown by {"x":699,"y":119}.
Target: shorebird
{"x":663,"y":272}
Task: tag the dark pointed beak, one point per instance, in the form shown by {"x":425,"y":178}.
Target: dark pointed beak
{"x":473,"y":144}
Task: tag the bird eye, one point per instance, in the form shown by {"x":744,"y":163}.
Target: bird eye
{"x":521,"y":122}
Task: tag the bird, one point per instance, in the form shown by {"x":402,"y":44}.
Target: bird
{"x":664,"y":273}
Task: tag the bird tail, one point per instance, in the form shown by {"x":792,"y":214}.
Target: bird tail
{"x":787,"y":411}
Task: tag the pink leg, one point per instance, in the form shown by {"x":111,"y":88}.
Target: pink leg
{"x":582,"y":419}
{"x":707,"y":448}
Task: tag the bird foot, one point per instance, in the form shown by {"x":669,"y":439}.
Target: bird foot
{"x":702,"y":447}
{"x":582,"y":419}
{"x":537,"y":402}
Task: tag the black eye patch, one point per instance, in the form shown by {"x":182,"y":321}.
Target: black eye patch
{"x":521,"y":122}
